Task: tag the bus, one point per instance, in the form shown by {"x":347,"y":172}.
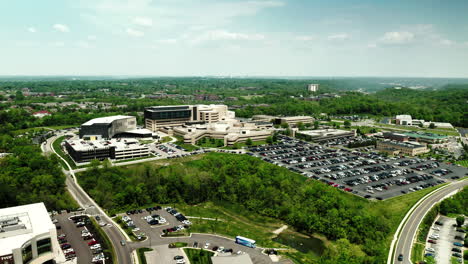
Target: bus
{"x":245,"y":241}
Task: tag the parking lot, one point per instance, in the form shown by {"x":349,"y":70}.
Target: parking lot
{"x":77,"y":240}
{"x":367,"y":174}
{"x":444,"y":241}
{"x":177,"y":222}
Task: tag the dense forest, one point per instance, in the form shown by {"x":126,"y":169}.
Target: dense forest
{"x":26,"y":176}
{"x":252,"y":96}
{"x":258,"y":186}
{"x":457,"y":204}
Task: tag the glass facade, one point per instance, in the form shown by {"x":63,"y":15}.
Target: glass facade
{"x":27,"y":253}
{"x":44,"y":246}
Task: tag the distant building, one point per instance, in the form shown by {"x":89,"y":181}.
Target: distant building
{"x":396,"y":136}
{"x":231,"y":131}
{"x":427,"y":137}
{"x":294,"y":120}
{"x":27,"y":235}
{"x":107,"y":127}
{"x":404,"y":120}
{"x":114,"y":149}
{"x":158,"y":117}
{"x":41,"y":114}
{"x":324,"y":134}
{"x":395,"y":147}
{"x":313,"y":87}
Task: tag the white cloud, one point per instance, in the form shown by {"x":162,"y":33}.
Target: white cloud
{"x":397,"y":37}
{"x":134,"y":33}
{"x":143,"y":21}
{"x":83,"y":44}
{"x":341,"y":36}
{"x":32,"y":29}
{"x":58,"y":44}
{"x":61,"y":28}
{"x":92,"y":37}
{"x":167,"y":41}
{"x":214,"y":35}
{"x":305,"y":38}
{"x":372,"y":45}
{"x":446,"y":42}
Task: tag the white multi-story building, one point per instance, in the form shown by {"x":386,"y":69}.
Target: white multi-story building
{"x":27,"y":235}
{"x":313,"y":87}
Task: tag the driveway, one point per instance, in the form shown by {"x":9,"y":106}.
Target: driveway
{"x":163,"y":254}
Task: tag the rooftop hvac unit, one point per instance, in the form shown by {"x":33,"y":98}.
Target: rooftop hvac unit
{"x":13,"y":228}
{"x":9,"y":221}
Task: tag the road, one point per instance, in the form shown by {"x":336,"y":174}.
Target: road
{"x":123,"y":253}
{"x":408,"y":232}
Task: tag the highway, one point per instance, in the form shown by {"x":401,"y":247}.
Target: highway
{"x":408,"y":232}
{"x":123,"y":253}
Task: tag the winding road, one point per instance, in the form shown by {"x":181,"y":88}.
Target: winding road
{"x":404,"y":243}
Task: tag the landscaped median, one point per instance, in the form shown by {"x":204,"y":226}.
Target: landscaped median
{"x":198,"y":256}
{"x":141,"y":254}
{"x":417,"y":254}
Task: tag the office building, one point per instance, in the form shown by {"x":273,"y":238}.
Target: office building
{"x":427,"y":137}
{"x":107,"y":127}
{"x":27,"y":235}
{"x":324,"y":134}
{"x":158,"y":117}
{"x":231,"y":132}
{"x":395,"y":136}
{"x":405,"y":148}
{"x":115,"y":149}
{"x":405,"y":120}
{"x":313,"y":87}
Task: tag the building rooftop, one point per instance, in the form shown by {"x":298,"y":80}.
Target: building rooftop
{"x":119,"y":144}
{"x":426,"y":135}
{"x":105,"y":120}
{"x":404,"y":144}
{"x":20,"y":224}
{"x":323,"y":132}
{"x":291,"y":118}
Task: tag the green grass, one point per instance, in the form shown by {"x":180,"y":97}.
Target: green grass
{"x":442,"y":131}
{"x":453,"y":260}
{"x":188,"y":147}
{"x":296,"y":257}
{"x":58,"y":149}
{"x":463,"y":163}
{"x":417,"y":252}
{"x":232,"y":221}
{"x":141,"y":254}
{"x":198,"y":256}
{"x":165,"y":139}
{"x":178,"y":245}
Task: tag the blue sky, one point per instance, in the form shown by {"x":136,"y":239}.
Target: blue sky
{"x":418,"y":38}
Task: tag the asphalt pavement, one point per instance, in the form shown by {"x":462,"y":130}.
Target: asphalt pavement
{"x":405,"y":241}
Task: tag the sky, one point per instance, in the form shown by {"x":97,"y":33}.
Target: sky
{"x":409,"y":38}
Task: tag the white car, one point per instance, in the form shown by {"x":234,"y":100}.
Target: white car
{"x":436,"y":228}
{"x":68,"y":250}
{"x":86,"y":234}
{"x":162,"y":220}
{"x":95,"y":246}
{"x":207,"y":245}
{"x":136,"y":229}
{"x":220,"y":249}
{"x":180,"y":261}
{"x":430,"y":250}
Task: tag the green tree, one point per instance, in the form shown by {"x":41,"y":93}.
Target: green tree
{"x":432,"y":126}
{"x":460,"y":220}
{"x":249,"y":142}
{"x":347,"y":123}
{"x":19,"y":96}
{"x":316,"y":124}
{"x":269,"y":140}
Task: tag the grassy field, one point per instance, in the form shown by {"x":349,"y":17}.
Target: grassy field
{"x":58,"y":149}
{"x":231,"y":221}
{"x":141,"y":254}
{"x":417,"y":252}
{"x":441,"y":131}
{"x":198,"y":256}
{"x":463,"y":163}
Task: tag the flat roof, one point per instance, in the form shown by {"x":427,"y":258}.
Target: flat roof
{"x":324,"y":132}
{"x":404,"y":144}
{"x":35,"y":221}
{"x":119,"y":144}
{"x":426,"y":135}
{"x":105,"y":120}
{"x":233,"y":259}
{"x":295,"y":117}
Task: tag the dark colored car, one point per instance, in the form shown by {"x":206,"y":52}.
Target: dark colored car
{"x":456,"y":250}
{"x":439,"y":223}
{"x":400,"y":257}
{"x":178,"y":257}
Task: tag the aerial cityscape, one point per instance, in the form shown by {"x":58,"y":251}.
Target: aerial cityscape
{"x":234,"y":132}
